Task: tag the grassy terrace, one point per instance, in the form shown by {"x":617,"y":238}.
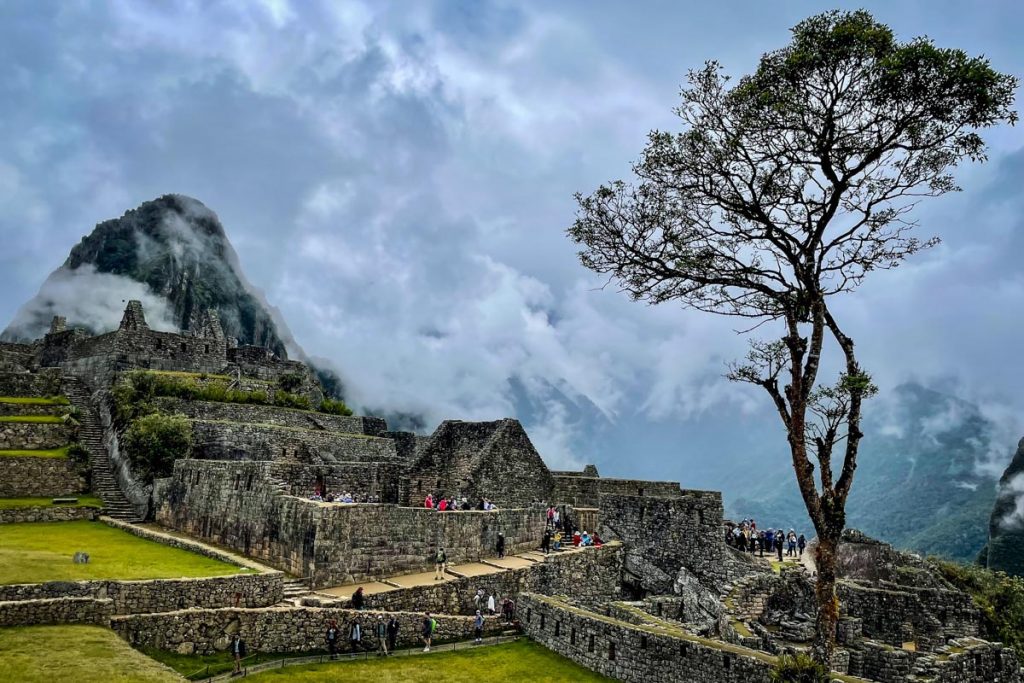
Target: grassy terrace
{"x":36,"y":401}
{"x":61,"y":452}
{"x":83,"y":502}
{"x":33,"y":419}
{"x":522,"y":660}
{"x":84,"y":654}
{"x":42,"y":551}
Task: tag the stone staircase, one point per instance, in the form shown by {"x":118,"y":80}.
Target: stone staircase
{"x":295,"y":590}
{"x":90,"y":435}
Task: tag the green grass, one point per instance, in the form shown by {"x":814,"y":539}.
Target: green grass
{"x":61,"y":452}
{"x":42,"y":551}
{"x":522,"y":660}
{"x":182,"y":373}
{"x":36,"y":400}
{"x":34,"y":419}
{"x":83,"y":654}
{"x":210,"y":665}
{"x":83,"y":501}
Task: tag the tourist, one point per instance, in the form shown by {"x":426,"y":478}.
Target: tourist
{"x":791,"y":544}
{"x":427,"y":631}
{"x":490,"y":603}
{"x":576,"y":538}
{"x":545,"y":541}
{"x":382,"y":637}
{"x":801,"y":543}
{"x":428,"y":502}
{"x":440,"y":564}
{"x":442,"y":505}
{"x":358,"y":599}
{"x":596,"y":540}
{"x":501,"y":545}
{"x":355,"y":634}
{"x":392,"y":633}
{"x":508,"y":610}
{"x":550,"y":515}
{"x":478,"y":628}
{"x":478,"y":599}
{"x":557,"y":519}
{"x":780,"y":538}
{"x":585,"y":539}
{"x":332,"y":638}
{"x":238,"y":652}
{"x":556,"y":540}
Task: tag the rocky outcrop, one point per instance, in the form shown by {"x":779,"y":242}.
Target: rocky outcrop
{"x":1005,"y":550}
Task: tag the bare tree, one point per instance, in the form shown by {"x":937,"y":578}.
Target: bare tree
{"x":783,"y":191}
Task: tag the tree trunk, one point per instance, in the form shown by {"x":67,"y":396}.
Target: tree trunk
{"x":825,"y":591}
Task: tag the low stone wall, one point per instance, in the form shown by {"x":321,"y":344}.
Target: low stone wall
{"x":271,"y":415}
{"x":575,"y":489}
{"x":277,"y":629}
{"x":63,"y":610}
{"x":216,"y":440}
{"x":48,"y":513}
{"x":591,"y":574}
{"x":32,"y":435}
{"x":39,"y":477}
{"x":664,"y":534}
{"x":45,"y":382}
{"x":33,"y":409}
{"x":636,"y":653}
{"x":159,"y":595}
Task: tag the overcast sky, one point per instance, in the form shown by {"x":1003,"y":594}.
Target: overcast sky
{"x":397,"y":177}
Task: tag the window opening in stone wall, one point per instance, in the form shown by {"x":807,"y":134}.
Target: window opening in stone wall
{"x":184,"y":347}
{"x":727,"y":662}
{"x":643,"y":642}
{"x":641,"y":491}
{"x":590,"y":643}
{"x":159,"y":343}
{"x":542,"y":622}
{"x":529,"y":614}
{"x":572,"y":637}
{"x":660,"y":608}
{"x":611,"y":651}
{"x":206,"y":348}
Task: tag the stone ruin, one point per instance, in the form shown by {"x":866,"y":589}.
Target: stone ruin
{"x":665,"y":600}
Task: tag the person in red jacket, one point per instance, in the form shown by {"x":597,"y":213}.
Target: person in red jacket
{"x":428,"y":502}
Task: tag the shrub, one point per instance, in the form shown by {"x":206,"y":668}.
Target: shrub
{"x":155,"y":441}
{"x":333,"y":407}
{"x":798,"y":668}
{"x":999,"y":597}
{"x":285,"y":399}
{"x":291,"y":382}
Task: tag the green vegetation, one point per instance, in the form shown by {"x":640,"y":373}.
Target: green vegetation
{"x":1000,"y":598}
{"x":83,"y":502}
{"x":33,"y":419}
{"x":29,"y":453}
{"x":333,"y":407}
{"x":154,"y":442}
{"x":798,"y":668}
{"x":196,"y":666}
{"x":42,"y":551}
{"x":35,"y":400}
{"x":522,"y":660}
{"x":84,"y":654}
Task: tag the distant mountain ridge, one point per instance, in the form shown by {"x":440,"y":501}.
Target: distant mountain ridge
{"x":1005,"y":549}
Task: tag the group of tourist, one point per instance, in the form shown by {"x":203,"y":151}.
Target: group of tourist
{"x":385,"y":633}
{"x":443,"y":503}
{"x":554,"y":539}
{"x":746,"y":537}
{"x":320,"y":496}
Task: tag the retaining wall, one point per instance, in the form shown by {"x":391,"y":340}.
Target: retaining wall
{"x":63,"y":610}
{"x":583,"y":491}
{"x":39,"y":477}
{"x":33,"y":435}
{"x":48,"y":513}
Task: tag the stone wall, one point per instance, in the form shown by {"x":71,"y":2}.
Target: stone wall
{"x":214,"y":440}
{"x":62,"y":610}
{"x":576,"y":489}
{"x":39,"y":477}
{"x":635,"y":653}
{"x":361,"y":479}
{"x":664,"y":534}
{"x":591,"y":574}
{"x":33,"y":435}
{"x":31,"y":409}
{"x":160,"y":595}
{"x":234,"y":505}
{"x":45,"y":382}
{"x":48,"y":513}
{"x":280,"y":629}
{"x":272,"y":415}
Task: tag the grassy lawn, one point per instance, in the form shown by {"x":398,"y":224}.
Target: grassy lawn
{"x":218,"y":663}
{"x":33,"y":419}
{"x":42,"y":551}
{"x":83,"y":501}
{"x":61,"y":452}
{"x":83,"y":654}
{"x":36,"y":400}
{"x":522,"y":660}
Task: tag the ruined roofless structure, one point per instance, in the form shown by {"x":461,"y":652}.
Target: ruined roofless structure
{"x":666,"y":600}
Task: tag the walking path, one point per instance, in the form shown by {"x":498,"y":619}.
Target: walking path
{"x":325,"y":659}
{"x":483,"y":568}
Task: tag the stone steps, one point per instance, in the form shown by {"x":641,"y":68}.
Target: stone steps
{"x":90,"y":436}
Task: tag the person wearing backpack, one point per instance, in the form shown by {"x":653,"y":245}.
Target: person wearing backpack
{"x":440,"y":564}
{"x":478,"y":628}
{"x":427,"y":631}
{"x":332,"y":639}
{"x":382,"y":637}
{"x":392,"y":634}
{"x":238,"y":651}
